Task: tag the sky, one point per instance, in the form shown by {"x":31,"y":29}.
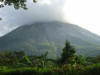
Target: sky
{"x":84,"y":13}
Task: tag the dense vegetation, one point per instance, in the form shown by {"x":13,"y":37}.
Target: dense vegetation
{"x":18,"y":63}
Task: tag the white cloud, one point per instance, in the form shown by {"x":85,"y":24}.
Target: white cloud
{"x":85,"y":13}
{"x":45,"y":2}
{"x":43,"y":10}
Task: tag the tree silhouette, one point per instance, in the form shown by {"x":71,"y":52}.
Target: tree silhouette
{"x":0,"y":18}
{"x":68,"y":53}
{"x":15,"y":3}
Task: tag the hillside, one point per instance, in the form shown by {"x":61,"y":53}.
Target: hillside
{"x":40,"y":37}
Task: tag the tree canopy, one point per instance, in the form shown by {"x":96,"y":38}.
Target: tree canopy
{"x":15,"y":3}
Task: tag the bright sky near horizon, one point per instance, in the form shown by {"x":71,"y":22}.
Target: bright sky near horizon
{"x":85,"y":13}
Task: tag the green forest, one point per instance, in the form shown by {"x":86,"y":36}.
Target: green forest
{"x":19,"y":63}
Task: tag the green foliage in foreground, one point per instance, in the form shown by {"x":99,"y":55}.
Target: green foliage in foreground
{"x":18,"y":63}
{"x":86,"y":70}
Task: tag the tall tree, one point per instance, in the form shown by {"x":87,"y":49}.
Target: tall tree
{"x":68,"y":53}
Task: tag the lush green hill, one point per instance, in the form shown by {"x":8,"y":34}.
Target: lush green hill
{"x":50,"y":36}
